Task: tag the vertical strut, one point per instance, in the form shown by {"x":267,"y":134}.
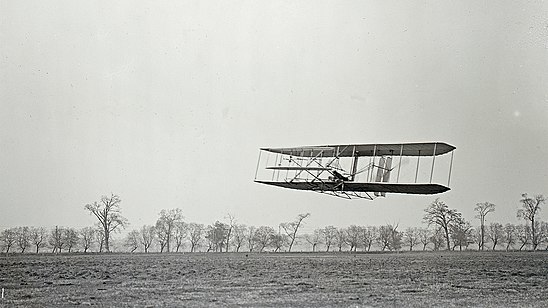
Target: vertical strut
{"x":433,"y":161}
{"x":418,"y":161}
{"x":450,"y":168}
{"x":258,"y":161}
{"x":399,"y":165}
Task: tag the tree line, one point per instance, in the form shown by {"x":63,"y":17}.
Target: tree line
{"x":446,"y":228}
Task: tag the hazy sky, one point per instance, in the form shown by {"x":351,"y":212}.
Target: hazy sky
{"x":167,"y":103}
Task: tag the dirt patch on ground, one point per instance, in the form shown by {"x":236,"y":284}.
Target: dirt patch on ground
{"x":304,"y":280}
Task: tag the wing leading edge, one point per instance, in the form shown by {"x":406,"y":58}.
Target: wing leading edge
{"x":401,"y":188}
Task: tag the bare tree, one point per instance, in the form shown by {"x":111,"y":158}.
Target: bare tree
{"x":353,"y":236}
{"x":277,"y":241}
{"x":216,"y":236}
{"x":133,"y":240}
{"x":329,"y":234}
{"x":100,"y":238}
{"x":509,"y":235}
{"x":165,"y":226}
{"x":461,"y":233}
{"x":56,"y":239}
{"x":340,"y":238}
{"x":483,"y":209}
{"x":195,"y":233}
{"x":314,"y":239}
{"x":251,"y":238}
{"x":424,"y":236}
{"x":437,"y":238}
{"x":38,"y":236}
{"x":496,"y":233}
{"x":523,"y":233}
{"x":108,"y":212}
{"x":23,"y":238}
{"x":230,"y":228}
{"x":438,"y":213}
{"x":291,"y":228}
{"x":263,"y":237}
{"x":9,"y":238}
{"x":147,"y":234}
{"x":411,"y":237}
{"x":239,"y":236}
{"x":87,"y":236}
{"x":181,"y":232}
{"x":367,"y":238}
{"x":70,"y":238}
{"x":389,"y":237}
{"x":529,"y":211}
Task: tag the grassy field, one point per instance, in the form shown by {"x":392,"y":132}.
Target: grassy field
{"x":298,"y":279}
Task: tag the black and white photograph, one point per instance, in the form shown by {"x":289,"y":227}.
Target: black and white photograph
{"x":205,"y":153}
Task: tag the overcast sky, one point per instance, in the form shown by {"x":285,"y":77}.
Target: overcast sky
{"x":167,"y":103}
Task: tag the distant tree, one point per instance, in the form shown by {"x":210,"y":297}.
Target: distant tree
{"x":9,"y":238}
{"x":291,"y":228}
{"x":23,"y":238}
{"x":165,"y":226}
{"x":229,"y":231}
{"x":411,"y":237}
{"x":353,"y":236}
{"x":495,"y":233}
{"x":476,"y":236}
{"x":146,"y":237}
{"x":108,"y":213}
{"x":70,"y":238}
{"x":277,"y":241}
{"x":239,"y":236}
{"x":509,"y":235}
{"x":388,"y":237}
{"x":543,"y":233}
{"x":523,"y":235}
{"x":461,"y":233}
{"x":424,"y":236}
{"x":195,"y":233}
{"x":367,"y":237}
{"x":56,"y":239}
{"x":483,"y":209}
{"x":38,"y":237}
{"x":216,"y":235}
{"x":181,"y":232}
{"x":314,"y":239}
{"x":340,"y":238}
{"x":100,"y":238}
{"x":529,"y":211}
{"x":329,"y":234}
{"x":438,"y":238}
{"x":263,"y":237}
{"x":251,"y":238}
{"x":87,"y":237}
{"x":133,"y":240}
{"x":438,"y":213}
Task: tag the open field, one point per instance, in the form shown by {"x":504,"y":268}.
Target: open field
{"x":311,"y":280}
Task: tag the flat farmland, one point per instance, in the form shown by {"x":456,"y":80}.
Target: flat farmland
{"x":487,"y":279}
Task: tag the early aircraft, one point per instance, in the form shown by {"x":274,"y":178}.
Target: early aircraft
{"x":337,"y":169}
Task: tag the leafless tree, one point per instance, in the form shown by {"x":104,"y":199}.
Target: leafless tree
{"x":70,"y":238}
{"x":56,"y":239}
{"x":353,"y":236}
{"x":495,"y":233}
{"x":108,"y":212}
{"x":161,"y":237}
{"x":314,"y":239}
{"x":340,"y":238}
{"x":23,"y":238}
{"x":461,"y":233}
{"x":263,"y":237}
{"x":146,"y":237}
{"x":543,"y":233}
{"x":368,"y":235}
{"x":230,"y":228}
{"x":523,"y":234}
{"x":529,"y":211}
{"x":438,"y":238}
{"x":251,"y":238}
{"x":291,"y":228}
{"x":9,"y":238}
{"x":133,"y":240}
{"x":100,"y":238}
{"x":411,"y":237}
{"x":277,"y":241}
{"x":165,"y":226}
{"x":239,"y":236}
{"x":389,"y":237}
{"x":424,"y":236}
{"x":38,"y":236}
{"x":476,"y":236}
{"x":216,"y":236}
{"x":438,"y":213}
{"x":329,"y":234}
{"x":483,"y":209}
{"x":87,"y":236}
{"x":509,"y":235}
{"x":181,"y":232}
{"x":195,"y":233}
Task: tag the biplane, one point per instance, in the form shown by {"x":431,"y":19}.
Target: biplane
{"x":353,"y":171}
